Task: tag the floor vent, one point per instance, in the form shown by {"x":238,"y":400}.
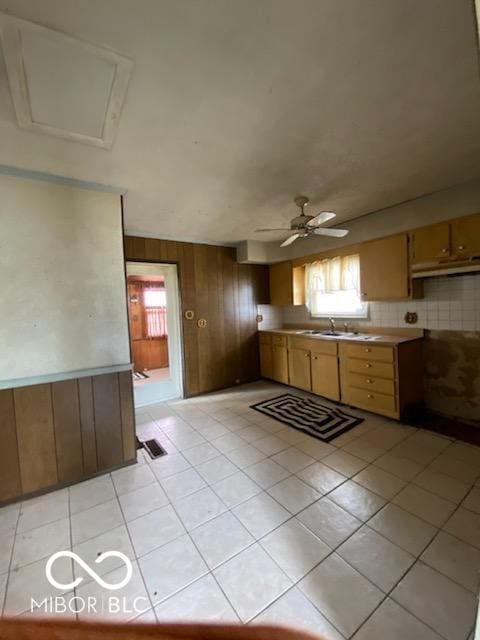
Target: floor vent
{"x":154,"y":448}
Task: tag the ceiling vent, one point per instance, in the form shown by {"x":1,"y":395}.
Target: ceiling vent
{"x":61,"y":85}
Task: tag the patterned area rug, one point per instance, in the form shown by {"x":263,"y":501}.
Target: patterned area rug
{"x":309,"y":416}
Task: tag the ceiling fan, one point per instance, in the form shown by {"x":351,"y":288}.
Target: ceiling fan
{"x":303,"y":226}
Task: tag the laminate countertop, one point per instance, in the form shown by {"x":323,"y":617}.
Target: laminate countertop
{"x":362,"y":338}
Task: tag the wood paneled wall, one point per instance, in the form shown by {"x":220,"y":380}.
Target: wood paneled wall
{"x":61,"y":432}
{"x":223,"y":292}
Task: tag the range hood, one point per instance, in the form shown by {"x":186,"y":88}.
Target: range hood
{"x":432,"y":270}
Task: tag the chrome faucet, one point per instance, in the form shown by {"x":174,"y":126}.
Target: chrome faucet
{"x":332,"y":325}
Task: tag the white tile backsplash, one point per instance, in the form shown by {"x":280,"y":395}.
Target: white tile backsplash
{"x":450,"y":302}
{"x":272,"y":317}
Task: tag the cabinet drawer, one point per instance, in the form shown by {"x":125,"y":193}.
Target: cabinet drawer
{"x":379,"y":385}
{"x":313,"y":344}
{"x":380,"y":369}
{"x":376,"y":402}
{"x":279,"y":341}
{"x":265,"y":338}
{"x":367,"y":352}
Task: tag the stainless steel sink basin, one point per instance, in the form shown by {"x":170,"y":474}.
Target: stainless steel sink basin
{"x":339,"y":335}
{"x":310,"y":332}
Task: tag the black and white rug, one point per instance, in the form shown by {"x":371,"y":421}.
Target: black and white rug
{"x":308,"y":415}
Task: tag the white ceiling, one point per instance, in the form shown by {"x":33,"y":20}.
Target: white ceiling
{"x":236,"y":106}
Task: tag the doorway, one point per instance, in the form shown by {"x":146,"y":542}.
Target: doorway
{"x":155,"y":336}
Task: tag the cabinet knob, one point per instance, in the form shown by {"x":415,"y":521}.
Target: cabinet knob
{"x":367,"y":350}
{"x":369,"y":380}
{"x":315,"y":357}
{"x":369,"y":395}
{"x":444,"y":250}
{"x":307,"y":355}
{"x":368,"y":365}
{"x":461,"y":247}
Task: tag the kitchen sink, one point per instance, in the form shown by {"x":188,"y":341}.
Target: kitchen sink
{"x":338,"y":334}
{"x":310,"y":332}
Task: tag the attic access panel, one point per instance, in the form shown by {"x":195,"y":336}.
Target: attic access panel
{"x":61,"y":85}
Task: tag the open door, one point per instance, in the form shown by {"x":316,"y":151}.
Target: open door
{"x":154,"y":332}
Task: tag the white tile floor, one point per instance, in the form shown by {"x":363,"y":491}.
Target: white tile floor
{"x":375,"y":535}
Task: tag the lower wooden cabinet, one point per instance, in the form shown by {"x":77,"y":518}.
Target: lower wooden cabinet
{"x":279,"y":364}
{"x":299,"y":369}
{"x":266,"y":361}
{"x":384,"y":379}
{"x":325,"y":379}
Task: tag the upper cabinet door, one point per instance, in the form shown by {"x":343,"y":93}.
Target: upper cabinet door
{"x":430,"y":243}
{"x":466,"y":237}
{"x":281,"y":283}
{"x":384,"y":273}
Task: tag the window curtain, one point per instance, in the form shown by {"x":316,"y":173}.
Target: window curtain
{"x":155,"y":317}
{"x":329,"y":277}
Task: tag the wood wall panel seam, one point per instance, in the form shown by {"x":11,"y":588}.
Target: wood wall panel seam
{"x":10,"y":479}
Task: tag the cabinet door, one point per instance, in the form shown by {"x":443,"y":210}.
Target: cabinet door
{"x":466,"y":237}
{"x":430,"y":243}
{"x":281,"y":283}
{"x":280,"y":364}
{"x":266,"y":360}
{"x":325,"y":376}
{"x":299,"y":368}
{"x":384,"y":270}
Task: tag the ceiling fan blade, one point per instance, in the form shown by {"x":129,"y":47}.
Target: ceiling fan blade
{"x":276,"y":229}
{"x":333,"y":233}
{"x":290,"y":239}
{"x":320,"y":218}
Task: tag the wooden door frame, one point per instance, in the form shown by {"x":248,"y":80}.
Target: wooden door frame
{"x":174,"y":311}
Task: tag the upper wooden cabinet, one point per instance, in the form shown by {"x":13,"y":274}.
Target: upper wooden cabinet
{"x":430,"y":244}
{"x":287,"y":284}
{"x":384,"y":273}
{"x":446,"y":242}
{"x":465,"y":237}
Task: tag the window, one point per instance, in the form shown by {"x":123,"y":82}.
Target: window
{"x":333,"y":288}
{"x":155,"y":298}
{"x":155,"y":301}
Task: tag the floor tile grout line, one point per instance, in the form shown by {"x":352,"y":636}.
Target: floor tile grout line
{"x":10,"y":563}
{"x":70,"y":528}
{"x":135,"y":555}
